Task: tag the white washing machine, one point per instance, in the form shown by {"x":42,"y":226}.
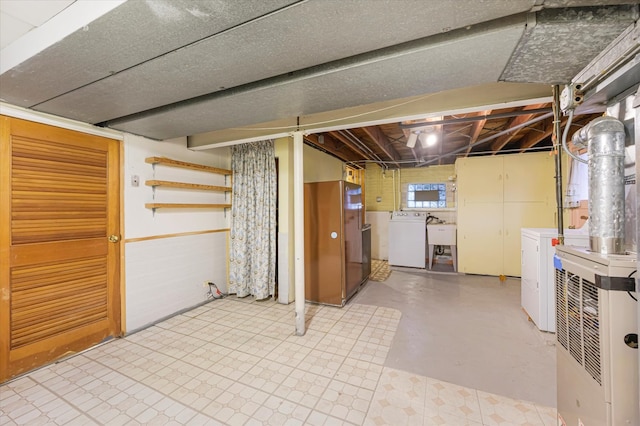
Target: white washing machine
{"x":408,"y":239}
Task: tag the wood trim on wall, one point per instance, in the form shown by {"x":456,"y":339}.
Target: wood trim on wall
{"x":179,"y":234}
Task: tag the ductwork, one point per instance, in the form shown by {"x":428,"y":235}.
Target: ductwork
{"x":604,"y":138}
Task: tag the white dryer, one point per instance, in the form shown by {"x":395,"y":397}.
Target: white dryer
{"x":408,"y":239}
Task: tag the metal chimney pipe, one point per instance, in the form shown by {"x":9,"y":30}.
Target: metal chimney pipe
{"x":604,"y":138}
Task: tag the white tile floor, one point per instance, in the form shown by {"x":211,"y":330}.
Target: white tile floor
{"x":238,"y":362}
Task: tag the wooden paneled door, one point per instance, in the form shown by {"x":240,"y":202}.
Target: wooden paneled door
{"x":59,"y":243}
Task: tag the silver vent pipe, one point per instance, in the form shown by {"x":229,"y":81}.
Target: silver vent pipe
{"x":604,"y":139}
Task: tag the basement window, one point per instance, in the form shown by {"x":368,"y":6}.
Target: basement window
{"x":427,"y":195}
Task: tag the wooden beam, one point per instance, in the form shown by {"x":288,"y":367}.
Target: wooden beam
{"x":351,"y":145}
{"x":515,"y":121}
{"x":534,"y":138}
{"x":383,"y":142}
{"x":332,"y":147}
{"x":476,"y":129}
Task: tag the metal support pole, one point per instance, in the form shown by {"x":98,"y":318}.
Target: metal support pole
{"x":558,"y":149}
{"x":298,"y":229}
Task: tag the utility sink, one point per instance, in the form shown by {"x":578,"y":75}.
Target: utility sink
{"x":441,"y":234}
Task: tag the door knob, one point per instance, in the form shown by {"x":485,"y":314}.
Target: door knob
{"x":114,"y":238}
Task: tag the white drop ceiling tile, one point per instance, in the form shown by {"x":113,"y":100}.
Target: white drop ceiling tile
{"x":429,"y":69}
{"x":132,"y":33}
{"x":11,"y":29}
{"x":34,"y":12}
{"x":295,"y":38}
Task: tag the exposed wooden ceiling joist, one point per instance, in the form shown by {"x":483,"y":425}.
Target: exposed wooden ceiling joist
{"x":476,"y":129}
{"x":382,"y":141}
{"x":352,"y":146}
{"x":514,"y":122}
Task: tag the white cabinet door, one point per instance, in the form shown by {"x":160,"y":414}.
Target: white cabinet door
{"x":530,"y":281}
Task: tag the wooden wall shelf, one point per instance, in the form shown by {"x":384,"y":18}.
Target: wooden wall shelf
{"x":184,"y":165}
{"x":186,"y":185}
{"x":171,"y":184}
{"x":186,"y":206}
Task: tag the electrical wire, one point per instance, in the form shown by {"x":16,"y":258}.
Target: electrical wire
{"x":471,"y":154}
{"x":306,"y":125}
{"x":564,"y":139}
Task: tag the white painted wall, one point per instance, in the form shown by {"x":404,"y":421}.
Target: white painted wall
{"x":166,"y":275}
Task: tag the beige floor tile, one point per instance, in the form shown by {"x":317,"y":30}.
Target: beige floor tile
{"x":377,"y":336}
{"x":238,"y":361}
{"x":259,"y":345}
{"x":276,"y":315}
{"x":279,"y":411}
{"x":347,"y":330}
{"x":302,"y":387}
{"x":345,"y":401}
{"x":359,"y":373}
{"x":176,"y":323}
{"x":322,"y":363}
{"x":357,"y":317}
{"x":399,"y":399}
{"x":277,"y":330}
{"x":337,"y":344}
{"x":207,"y":356}
{"x":310,"y":339}
{"x":289,"y":353}
{"x":266,"y":375}
{"x":449,"y":400}
{"x":319,"y":324}
{"x":370,"y":352}
{"x":197,"y":311}
{"x":238,"y":399}
{"x":330,"y":312}
{"x":548,"y":415}
{"x":316,"y":418}
{"x":445,"y":419}
{"x":230,"y":338}
{"x":499,"y":410}
{"x":235,"y":364}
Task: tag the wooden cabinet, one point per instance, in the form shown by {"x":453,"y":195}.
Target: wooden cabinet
{"x":480,"y":248}
{"x":497,"y":196}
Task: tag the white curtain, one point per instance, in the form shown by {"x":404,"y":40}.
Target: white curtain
{"x":252,"y":251}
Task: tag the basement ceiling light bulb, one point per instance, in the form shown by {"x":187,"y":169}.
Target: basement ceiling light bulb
{"x":432,"y":139}
{"x":411,"y":141}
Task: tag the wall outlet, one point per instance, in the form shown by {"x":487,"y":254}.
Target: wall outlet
{"x":135,"y":180}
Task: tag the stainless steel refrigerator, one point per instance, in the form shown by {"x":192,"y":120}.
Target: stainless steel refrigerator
{"x":333,"y":241}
